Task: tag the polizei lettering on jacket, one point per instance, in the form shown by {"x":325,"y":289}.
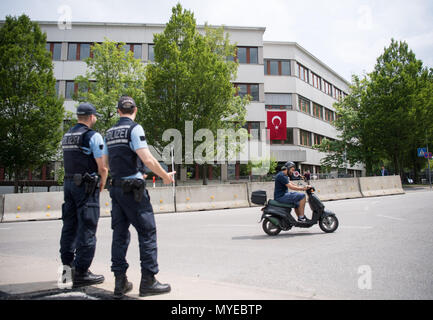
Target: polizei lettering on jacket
{"x":117,"y":135}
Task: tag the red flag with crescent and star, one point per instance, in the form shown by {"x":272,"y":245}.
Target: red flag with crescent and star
{"x":277,"y":125}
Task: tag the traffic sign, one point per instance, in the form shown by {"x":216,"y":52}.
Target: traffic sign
{"x":428,"y":155}
{"x":421,"y":152}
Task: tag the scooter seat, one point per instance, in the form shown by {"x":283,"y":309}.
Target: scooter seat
{"x":280,"y":204}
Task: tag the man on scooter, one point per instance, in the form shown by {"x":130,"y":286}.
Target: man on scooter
{"x":281,"y":193}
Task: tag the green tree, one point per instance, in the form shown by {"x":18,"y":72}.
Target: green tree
{"x":190,"y":80}
{"x":31,"y":114}
{"x":396,"y":114}
{"x":111,"y":73}
{"x":387,"y":115}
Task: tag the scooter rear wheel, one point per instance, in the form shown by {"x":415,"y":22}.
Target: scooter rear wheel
{"x":328,"y":224}
{"x":269,"y":228}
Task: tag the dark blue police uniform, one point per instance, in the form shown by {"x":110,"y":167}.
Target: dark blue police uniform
{"x":80,"y":210}
{"x":126,"y":208}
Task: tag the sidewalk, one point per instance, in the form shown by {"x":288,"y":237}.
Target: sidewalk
{"x":41,"y":285}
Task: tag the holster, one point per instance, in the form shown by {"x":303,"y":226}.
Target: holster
{"x":90,"y":183}
{"x":136,"y":186}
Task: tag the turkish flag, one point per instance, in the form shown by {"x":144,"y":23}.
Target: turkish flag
{"x":277,"y":125}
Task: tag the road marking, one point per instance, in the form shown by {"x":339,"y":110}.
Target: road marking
{"x":5,"y":228}
{"x":393,"y":218}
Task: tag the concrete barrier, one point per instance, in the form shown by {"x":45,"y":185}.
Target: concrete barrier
{"x":194,"y":198}
{"x":32,"y":206}
{"x":2,"y":208}
{"x":380,"y":186}
{"x":162,"y":199}
{"x":48,"y":205}
{"x":337,"y":189}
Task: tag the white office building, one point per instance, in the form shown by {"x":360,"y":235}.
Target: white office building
{"x":279,"y":76}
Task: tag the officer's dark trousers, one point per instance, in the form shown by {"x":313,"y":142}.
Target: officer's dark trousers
{"x":127,"y":211}
{"x":80,"y":215}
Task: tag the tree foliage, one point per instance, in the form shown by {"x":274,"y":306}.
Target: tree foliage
{"x":190,"y":80}
{"x":111,"y":73}
{"x":387,"y":115}
{"x":31,"y":114}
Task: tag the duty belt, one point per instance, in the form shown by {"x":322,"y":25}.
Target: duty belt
{"x":137,"y":186}
{"x":90,"y":181}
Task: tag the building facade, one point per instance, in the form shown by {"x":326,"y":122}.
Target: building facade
{"x":279,"y":76}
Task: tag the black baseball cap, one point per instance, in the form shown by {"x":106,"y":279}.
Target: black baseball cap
{"x":87,"y":109}
{"x":126,"y":102}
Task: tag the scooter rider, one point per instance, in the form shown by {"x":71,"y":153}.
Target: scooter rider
{"x":281,"y":193}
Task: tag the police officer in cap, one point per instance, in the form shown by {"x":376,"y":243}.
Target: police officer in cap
{"x":126,"y":145}
{"x":85,"y":158}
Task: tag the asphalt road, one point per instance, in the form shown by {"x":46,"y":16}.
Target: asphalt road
{"x":383,"y":249}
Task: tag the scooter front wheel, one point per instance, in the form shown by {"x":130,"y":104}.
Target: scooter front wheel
{"x":269,"y":228}
{"x":328,"y":224}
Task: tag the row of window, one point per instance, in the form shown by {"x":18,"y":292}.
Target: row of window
{"x":316,"y":81}
{"x":318,"y":111}
{"x":81,"y":51}
{"x":244,"y":55}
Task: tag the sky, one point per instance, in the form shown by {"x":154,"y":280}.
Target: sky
{"x":347,"y":35}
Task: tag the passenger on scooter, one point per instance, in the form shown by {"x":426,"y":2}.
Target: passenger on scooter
{"x":281,"y":193}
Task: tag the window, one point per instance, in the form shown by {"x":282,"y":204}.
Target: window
{"x":304,"y":105}
{"x":317,"y":81}
{"x":135,"y":48}
{"x":289,"y":139}
{"x":79,"y":51}
{"x":251,"y":89}
{"x":317,"y":111}
{"x":254,"y":92}
{"x":57,"y":88}
{"x":285,"y":68}
{"x":253,"y":129}
{"x":278,"y":100}
{"x":305,"y":138}
{"x":329,"y":115}
{"x":303,"y":73}
{"x":247,"y":55}
{"x":55,"y":48}
{"x":151,"y":52}
{"x":277,"y":67}
{"x":338,"y":94}
{"x":327,"y":87}
{"x":318,"y":139}
{"x":71,"y":88}
{"x":273,"y":67}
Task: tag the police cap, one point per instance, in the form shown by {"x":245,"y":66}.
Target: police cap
{"x":126,"y":102}
{"x":86,"y":108}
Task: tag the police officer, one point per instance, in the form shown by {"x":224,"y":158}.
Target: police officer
{"x":85,"y":156}
{"x":130,"y":200}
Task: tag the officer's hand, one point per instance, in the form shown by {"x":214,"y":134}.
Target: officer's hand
{"x":101,"y":186}
{"x":169,"y":179}
{"x":144,"y":176}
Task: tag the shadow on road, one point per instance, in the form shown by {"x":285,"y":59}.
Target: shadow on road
{"x":49,"y":291}
{"x":281,"y":235}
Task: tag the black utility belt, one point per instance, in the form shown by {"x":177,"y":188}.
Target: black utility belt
{"x":136,"y":186}
{"x":90,"y":181}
